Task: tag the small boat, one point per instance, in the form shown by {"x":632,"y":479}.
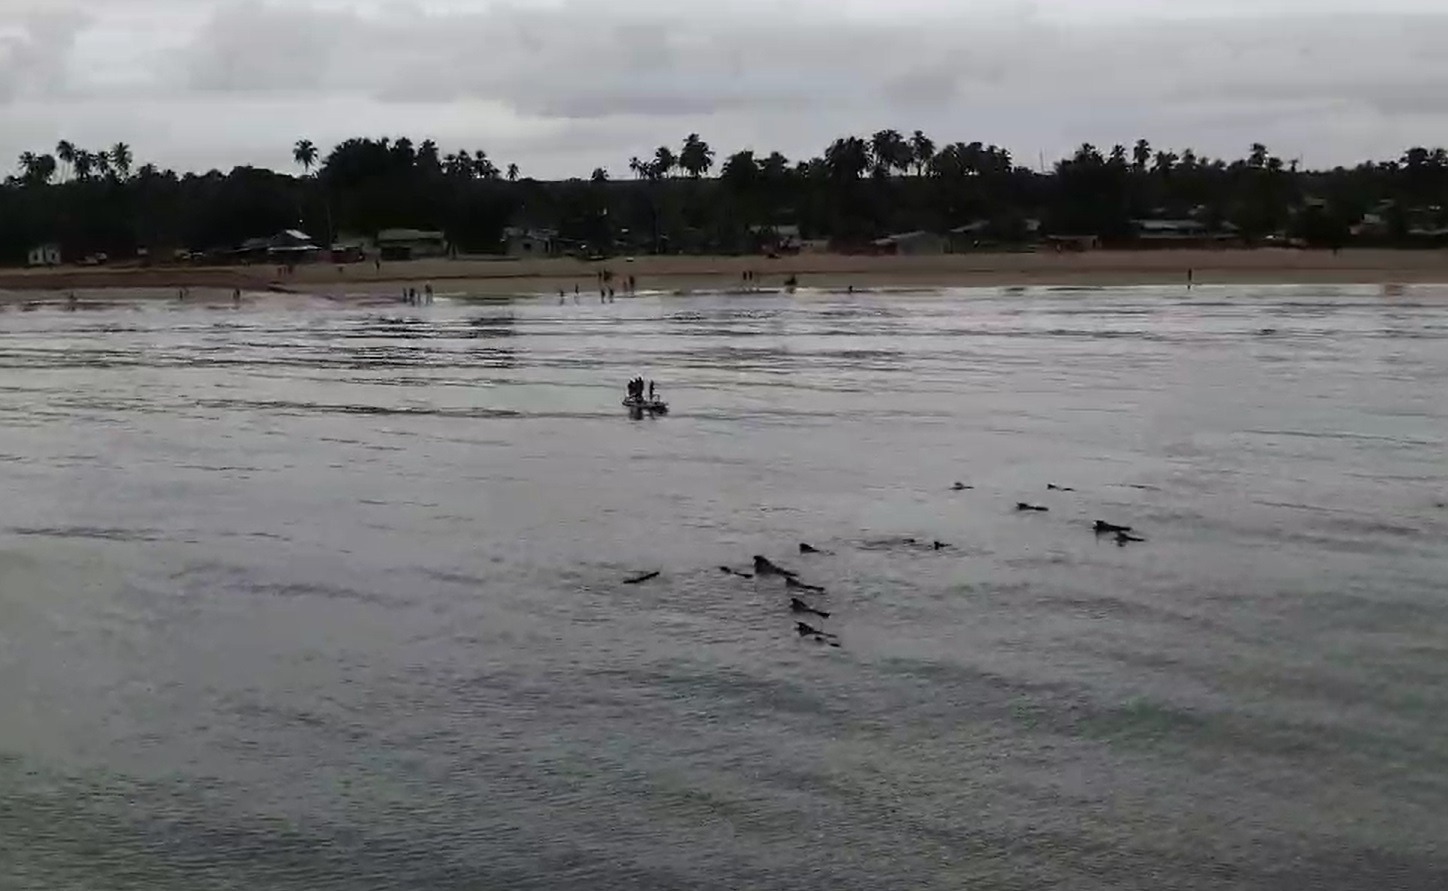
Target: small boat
{"x":653,"y":406}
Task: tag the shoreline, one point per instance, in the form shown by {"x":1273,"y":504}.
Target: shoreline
{"x":500,"y":277}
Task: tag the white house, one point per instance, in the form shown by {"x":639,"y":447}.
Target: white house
{"x":45,"y":255}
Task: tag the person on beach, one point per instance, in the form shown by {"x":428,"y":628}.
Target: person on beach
{"x":651,"y":391}
{"x":427,"y":289}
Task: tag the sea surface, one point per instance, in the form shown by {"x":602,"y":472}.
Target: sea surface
{"x":335,"y":598}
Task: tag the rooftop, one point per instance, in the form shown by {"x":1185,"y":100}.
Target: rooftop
{"x":409,"y":235}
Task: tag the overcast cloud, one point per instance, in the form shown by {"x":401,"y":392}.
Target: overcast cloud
{"x":561,"y":87}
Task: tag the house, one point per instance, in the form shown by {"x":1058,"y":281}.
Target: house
{"x":519,"y":241}
{"x":1180,"y":234}
{"x":1372,"y":227}
{"x":916,"y":243}
{"x":253,"y":250}
{"x":970,"y":237}
{"x":348,"y":252}
{"x":982,"y":234}
{"x":45,"y":255}
{"x":292,"y":246}
{"x":411,"y":244}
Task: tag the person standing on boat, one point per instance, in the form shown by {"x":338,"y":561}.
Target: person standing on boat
{"x":651,"y":391}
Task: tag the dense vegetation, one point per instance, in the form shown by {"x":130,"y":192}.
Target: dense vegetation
{"x":691,"y":199}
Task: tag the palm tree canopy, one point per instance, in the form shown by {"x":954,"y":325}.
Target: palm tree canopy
{"x":305,"y":154}
{"x":664,"y":161}
{"x":121,"y":157}
{"x":696,"y":157}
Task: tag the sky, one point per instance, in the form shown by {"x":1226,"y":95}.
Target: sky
{"x":562,"y":86}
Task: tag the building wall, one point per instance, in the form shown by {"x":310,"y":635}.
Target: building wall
{"x":45,"y":255}
{"x":529,"y":246}
{"x":414,"y":249}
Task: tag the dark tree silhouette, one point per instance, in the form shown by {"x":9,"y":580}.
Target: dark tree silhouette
{"x":100,"y":201}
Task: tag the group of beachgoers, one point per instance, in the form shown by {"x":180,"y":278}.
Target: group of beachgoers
{"x":606,"y":290}
{"x":412,"y":297}
{"x":636,"y":390}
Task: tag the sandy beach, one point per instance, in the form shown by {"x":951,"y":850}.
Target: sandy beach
{"x":501,"y":276}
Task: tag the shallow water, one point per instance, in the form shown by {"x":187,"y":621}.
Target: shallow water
{"x":333,"y":599}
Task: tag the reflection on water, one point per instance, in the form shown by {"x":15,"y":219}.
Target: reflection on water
{"x":335,"y":598}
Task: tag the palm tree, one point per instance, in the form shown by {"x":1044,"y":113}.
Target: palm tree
{"x":512,"y":173}
{"x":458,"y":164}
{"x":45,"y":168}
{"x":1141,"y":155}
{"x":664,"y":161}
{"x":696,"y":157}
{"x":102,"y":162}
{"x":889,"y":151}
{"x":847,"y":158}
{"x":65,"y":151}
{"x":599,"y":175}
{"x":121,"y":158}
{"x":740,"y":171}
{"x":1088,"y":155}
{"x":305,"y":154}
{"x":636,"y":167}
{"x":28,"y":163}
{"x":483,"y":167}
{"x":774,"y":168}
{"x":84,"y":163}
{"x":922,"y":151}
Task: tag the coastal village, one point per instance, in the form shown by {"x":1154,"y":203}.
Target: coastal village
{"x":385,"y":201}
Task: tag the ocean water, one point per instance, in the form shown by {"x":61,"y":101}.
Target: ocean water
{"x":334,"y":599}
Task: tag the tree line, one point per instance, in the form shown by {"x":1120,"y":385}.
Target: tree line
{"x":688,"y":198}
